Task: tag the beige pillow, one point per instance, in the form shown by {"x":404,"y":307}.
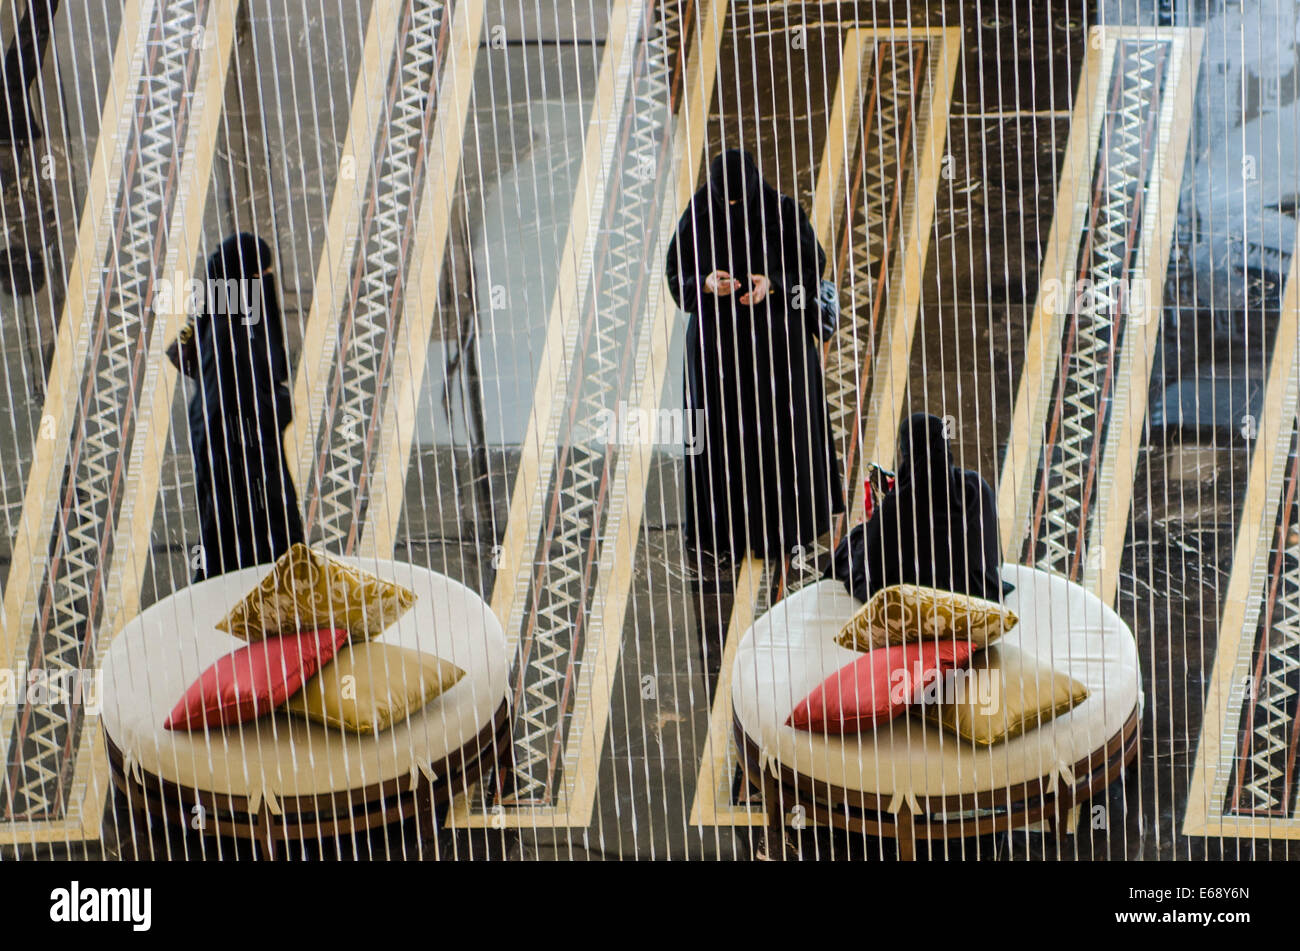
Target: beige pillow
{"x":308,"y":590}
{"x":1006,"y":691}
{"x":904,"y":613}
{"x":371,"y":686}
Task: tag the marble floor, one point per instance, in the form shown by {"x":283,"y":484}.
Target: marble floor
{"x":468,"y":202}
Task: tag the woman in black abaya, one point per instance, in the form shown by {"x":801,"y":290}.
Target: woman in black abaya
{"x":248,"y":509}
{"x":763,"y":476}
{"x":937,"y":528}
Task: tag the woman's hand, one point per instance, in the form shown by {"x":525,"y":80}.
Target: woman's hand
{"x":721,"y":283}
{"x":758,"y":293}
{"x":183,"y":352}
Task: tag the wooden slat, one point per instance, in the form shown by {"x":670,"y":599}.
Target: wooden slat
{"x":890,"y":369}
{"x":184,"y":231}
{"x":1043,"y":344}
{"x":185,"y":234}
{"x":399,"y":419}
{"x":1115,"y":455}
{"x":845,"y":119}
{"x":537,"y":452}
{"x":601,"y":652}
{"x":709,"y":807}
{"x":1233,"y":655}
{"x":329,"y":291}
{"x":1129,"y":408}
{"x":31,"y":541}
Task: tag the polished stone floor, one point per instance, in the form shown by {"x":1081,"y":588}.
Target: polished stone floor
{"x":281,"y":150}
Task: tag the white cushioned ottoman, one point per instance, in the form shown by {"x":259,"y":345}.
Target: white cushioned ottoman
{"x":163,"y":650}
{"x":791,"y":650}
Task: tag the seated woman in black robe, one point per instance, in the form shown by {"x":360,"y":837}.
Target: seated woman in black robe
{"x":248,"y":509}
{"x":937,"y":528}
{"x":763,"y":475}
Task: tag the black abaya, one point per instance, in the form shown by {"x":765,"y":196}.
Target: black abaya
{"x":937,"y":528}
{"x":763,"y":476}
{"x":248,"y":509}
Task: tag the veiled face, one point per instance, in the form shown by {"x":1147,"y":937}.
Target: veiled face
{"x":734,"y":176}
{"x":922,"y":445}
{"x":240,"y":257}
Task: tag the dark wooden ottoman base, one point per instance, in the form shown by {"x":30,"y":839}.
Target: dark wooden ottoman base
{"x":1012,"y":807}
{"x":320,"y":816}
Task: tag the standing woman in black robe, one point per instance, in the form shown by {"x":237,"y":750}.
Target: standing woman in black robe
{"x":937,"y":528}
{"x":248,"y":509}
{"x":746,"y":265}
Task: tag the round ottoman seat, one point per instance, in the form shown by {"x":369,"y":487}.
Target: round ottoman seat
{"x":909,"y":778}
{"x":282,"y":776}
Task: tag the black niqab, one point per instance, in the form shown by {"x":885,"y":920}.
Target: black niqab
{"x":240,"y":337}
{"x":937,"y":528}
{"x":248,"y":509}
{"x":734,"y":177}
{"x":766,"y":476}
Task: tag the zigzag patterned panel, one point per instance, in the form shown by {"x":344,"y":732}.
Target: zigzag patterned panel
{"x":336,"y":495}
{"x":1080,"y":409}
{"x":563,"y":581}
{"x":1263,"y":781}
{"x":69,"y":599}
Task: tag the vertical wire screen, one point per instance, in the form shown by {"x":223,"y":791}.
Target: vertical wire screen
{"x":649,"y":429}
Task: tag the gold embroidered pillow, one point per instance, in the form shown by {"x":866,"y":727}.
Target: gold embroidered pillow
{"x":307,"y":590}
{"x":372,"y":686}
{"x":1006,"y":692}
{"x":904,"y":613}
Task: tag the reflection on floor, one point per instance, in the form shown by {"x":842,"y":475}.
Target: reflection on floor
{"x":472,"y":279}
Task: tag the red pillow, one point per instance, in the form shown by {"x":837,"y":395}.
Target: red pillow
{"x":878,"y":686}
{"x":254,"y":679}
